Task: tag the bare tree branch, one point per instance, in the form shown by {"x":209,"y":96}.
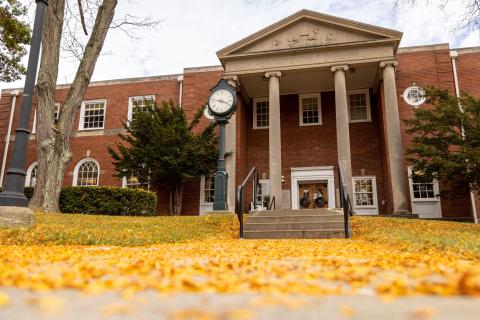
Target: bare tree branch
{"x":82,"y":17}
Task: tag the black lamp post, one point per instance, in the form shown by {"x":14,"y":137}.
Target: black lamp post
{"x":13,"y":194}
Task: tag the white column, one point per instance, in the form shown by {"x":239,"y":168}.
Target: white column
{"x":274,"y":137}
{"x":342,"y":122}
{"x":394,"y":139}
{"x":230,"y":149}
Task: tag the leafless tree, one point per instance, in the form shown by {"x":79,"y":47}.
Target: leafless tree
{"x":470,"y":20}
{"x":66,"y":27}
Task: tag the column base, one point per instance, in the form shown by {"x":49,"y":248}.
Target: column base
{"x":16,"y":217}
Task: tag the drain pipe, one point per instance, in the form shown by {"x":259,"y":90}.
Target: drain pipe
{"x":180,"y":95}
{"x":454,"y":55}
{"x":7,"y":138}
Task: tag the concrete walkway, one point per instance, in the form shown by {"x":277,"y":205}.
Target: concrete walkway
{"x":72,"y":305}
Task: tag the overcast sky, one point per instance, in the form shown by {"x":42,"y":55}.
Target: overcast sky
{"x":193,"y":30}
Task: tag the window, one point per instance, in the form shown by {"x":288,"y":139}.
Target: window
{"x":310,"y":109}
{"x":208,"y":189}
{"x":138,"y":104}
{"x":414,"y":96}
{"x":133,"y":182}
{"x":359,"y":105}
{"x":56,"y":113}
{"x":31,"y":178}
{"x":263,"y":197}
{"x":365,"y":192}
{"x":86,"y":173}
{"x":92,"y":115}
{"x":422,"y":190}
{"x":260,"y":113}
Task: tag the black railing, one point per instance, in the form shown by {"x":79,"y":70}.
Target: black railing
{"x":344,"y":200}
{"x":272,"y":204}
{"x":240,"y":201}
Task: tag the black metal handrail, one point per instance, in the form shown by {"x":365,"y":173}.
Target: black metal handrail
{"x":240,"y":200}
{"x":272,"y":203}
{"x":344,"y":200}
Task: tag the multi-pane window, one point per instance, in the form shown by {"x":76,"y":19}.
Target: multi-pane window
{"x":208,"y":189}
{"x":86,"y":173}
{"x":310,"y":112}
{"x":92,"y":115}
{"x":31,"y":178}
{"x":422,"y":190}
{"x":359,"y":105}
{"x":139,"y":104}
{"x":364,"y":192}
{"x":56,"y":112}
{"x":260,"y":113}
{"x":133,"y":182}
{"x":263,"y":196}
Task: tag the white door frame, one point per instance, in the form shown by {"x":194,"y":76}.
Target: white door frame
{"x":305,"y":174}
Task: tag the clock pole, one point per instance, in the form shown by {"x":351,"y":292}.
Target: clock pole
{"x":221,"y":175}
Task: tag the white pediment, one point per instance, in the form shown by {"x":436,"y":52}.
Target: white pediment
{"x":306,"y":29}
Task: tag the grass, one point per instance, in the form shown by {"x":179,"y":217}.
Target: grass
{"x":76,"y":229}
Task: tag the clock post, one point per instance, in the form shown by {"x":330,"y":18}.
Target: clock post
{"x":222,"y":104}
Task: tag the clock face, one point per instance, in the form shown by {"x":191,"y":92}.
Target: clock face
{"x":221,"y":101}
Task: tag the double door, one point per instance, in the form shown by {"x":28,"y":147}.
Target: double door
{"x":313,"y":195}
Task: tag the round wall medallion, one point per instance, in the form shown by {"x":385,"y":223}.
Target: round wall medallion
{"x":414,"y":96}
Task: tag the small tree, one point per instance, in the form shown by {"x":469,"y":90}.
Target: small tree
{"x":163,"y":148}
{"x":14,"y":37}
{"x":446,"y":140}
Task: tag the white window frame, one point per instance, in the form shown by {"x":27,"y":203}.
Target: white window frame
{"x":34,"y":126}
{"x":366,"y":210}
{"x":300,"y":108}
{"x":202,"y":191}
{"x":28,"y":178}
{"x":130,"y":104}
{"x":124,"y":184}
{"x":367,"y":97}
{"x":267,"y":182}
{"x":255,"y":101}
{"x":436,"y":189}
{"x":77,"y":167}
{"x":82,"y":112}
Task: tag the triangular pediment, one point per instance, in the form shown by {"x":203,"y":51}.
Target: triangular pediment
{"x":306,"y":29}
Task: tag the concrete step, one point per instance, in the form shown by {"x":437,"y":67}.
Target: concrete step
{"x":280,"y":212}
{"x":295,"y":234}
{"x":296,"y":226}
{"x":294,"y":218}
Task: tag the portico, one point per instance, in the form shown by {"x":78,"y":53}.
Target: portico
{"x":330,"y":69}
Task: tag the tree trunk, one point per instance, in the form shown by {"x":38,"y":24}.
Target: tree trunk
{"x":176,"y":200}
{"x":53,"y":140}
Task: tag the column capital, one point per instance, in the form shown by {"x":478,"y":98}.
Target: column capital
{"x":232,"y":80}
{"x":343,"y":67}
{"x":392,"y":63}
{"x":269,"y":74}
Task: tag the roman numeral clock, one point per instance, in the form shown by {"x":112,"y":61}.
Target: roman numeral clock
{"x":222,"y":104}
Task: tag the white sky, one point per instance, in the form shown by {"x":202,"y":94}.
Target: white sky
{"x":193,"y":30}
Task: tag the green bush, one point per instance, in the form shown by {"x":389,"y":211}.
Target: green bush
{"x":108,"y":200}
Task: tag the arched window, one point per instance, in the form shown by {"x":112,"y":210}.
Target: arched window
{"x":31,"y":178}
{"x":86,"y":173}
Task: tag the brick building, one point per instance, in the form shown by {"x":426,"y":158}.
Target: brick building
{"x":313,"y":90}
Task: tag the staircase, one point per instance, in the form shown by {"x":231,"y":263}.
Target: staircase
{"x":295,"y":224}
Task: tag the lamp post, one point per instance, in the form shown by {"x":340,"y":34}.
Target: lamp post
{"x":13,"y":194}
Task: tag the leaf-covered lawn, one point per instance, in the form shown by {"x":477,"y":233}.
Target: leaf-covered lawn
{"x":391,"y":257}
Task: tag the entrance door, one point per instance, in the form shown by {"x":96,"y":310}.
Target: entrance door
{"x":313,"y":195}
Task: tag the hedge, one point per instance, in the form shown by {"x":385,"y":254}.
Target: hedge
{"x":106,"y":200}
